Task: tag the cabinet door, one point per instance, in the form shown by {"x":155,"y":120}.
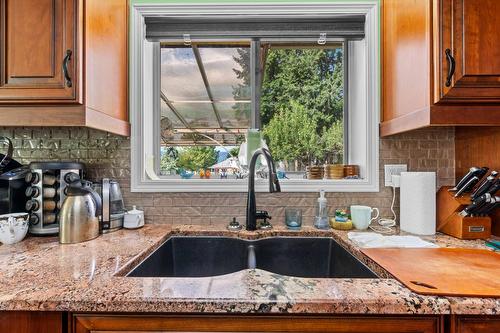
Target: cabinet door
{"x":38,"y":54}
{"x":470,"y":38}
{"x":31,"y":322}
{"x":258,"y":324}
{"x":477,"y":324}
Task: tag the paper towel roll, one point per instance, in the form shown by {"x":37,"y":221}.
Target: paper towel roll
{"x":418,"y":202}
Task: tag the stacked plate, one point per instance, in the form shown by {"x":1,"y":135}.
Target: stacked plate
{"x":334,"y":171}
{"x":351,"y":171}
{"x":315,"y":172}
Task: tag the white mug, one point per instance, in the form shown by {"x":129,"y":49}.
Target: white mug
{"x":361,"y":216}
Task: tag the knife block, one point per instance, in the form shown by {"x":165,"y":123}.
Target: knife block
{"x":450,"y":222}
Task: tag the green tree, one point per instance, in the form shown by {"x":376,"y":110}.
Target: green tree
{"x":169,"y":159}
{"x":332,"y":142}
{"x":300,"y":85}
{"x":311,"y":77}
{"x":234,"y":151}
{"x":292,"y":134}
{"x":197,"y":157}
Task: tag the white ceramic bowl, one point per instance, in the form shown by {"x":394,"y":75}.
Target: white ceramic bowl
{"x":13,"y":227}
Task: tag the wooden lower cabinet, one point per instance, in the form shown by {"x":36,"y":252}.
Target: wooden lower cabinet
{"x":63,"y":322}
{"x":475,"y":324}
{"x":32,"y":322}
{"x":87,"y":323}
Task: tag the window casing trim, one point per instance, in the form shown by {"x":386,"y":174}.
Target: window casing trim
{"x":144,"y":99}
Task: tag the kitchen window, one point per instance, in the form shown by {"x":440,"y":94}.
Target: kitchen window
{"x":209,"y":87}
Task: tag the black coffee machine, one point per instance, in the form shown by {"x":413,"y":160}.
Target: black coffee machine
{"x":12,"y":191}
{"x":12,"y":184}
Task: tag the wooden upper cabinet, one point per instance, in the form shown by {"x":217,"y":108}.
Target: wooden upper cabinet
{"x":64,"y":63}
{"x":422,"y":40}
{"x":470,"y":36}
{"x":37,"y":39}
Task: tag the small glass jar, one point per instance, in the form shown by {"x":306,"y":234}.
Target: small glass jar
{"x":293,"y":218}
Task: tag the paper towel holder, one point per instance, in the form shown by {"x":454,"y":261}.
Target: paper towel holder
{"x":450,"y":222}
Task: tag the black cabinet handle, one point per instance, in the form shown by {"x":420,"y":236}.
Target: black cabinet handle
{"x":66,"y":60}
{"x":451,"y":67}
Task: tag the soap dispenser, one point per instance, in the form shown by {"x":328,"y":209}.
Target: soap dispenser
{"x":321,"y":218}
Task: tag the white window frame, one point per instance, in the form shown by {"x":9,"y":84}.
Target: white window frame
{"x":363,"y":134}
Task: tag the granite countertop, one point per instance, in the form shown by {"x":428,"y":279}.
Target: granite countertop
{"x":40,"y":274}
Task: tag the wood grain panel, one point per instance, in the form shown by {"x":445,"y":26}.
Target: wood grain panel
{"x":475,"y":324}
{"x":102,"y":121}
{"x":470,"y":30}
{"x":478,"y":146}
{"x":34,"y":38}
{"x":442,"y":271}
{"x":465,"y":115}
{"x":31,"y":322}
{"x":481,"y":24}
{"x":406,"y":60}
{"x":31,"y":51}
{"x":72,"y":115}
{"x":333,"y":324}
{"x":415,"y":35}
{"x":106,"y":57}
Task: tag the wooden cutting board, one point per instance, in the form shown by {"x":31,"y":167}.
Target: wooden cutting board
{"x":443,"y":271}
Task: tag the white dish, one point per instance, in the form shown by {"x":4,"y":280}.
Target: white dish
{"x":13,"y":227}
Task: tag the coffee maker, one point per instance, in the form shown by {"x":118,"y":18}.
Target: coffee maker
{"x":12,"y":186}
{"x":12,"y":191}
{"x":113,"y":210}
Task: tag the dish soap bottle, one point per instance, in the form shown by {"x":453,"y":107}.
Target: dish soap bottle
{"x":321,"y":218}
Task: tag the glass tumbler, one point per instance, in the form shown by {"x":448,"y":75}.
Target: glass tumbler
{"x":293,"y":218}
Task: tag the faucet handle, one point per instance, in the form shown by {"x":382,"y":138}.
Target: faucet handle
{"x":262,"y":215}
{"x":234,"y":225}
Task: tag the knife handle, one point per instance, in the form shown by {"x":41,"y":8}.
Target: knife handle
{"x":465,"y":178}
{"x":487,"y":209}
{"x":467,"y":187}
{"x":483,"y":188}
{"x":474,"y":207}
{"x":494,"y":188}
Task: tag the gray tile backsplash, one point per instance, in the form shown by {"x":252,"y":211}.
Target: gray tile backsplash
{"x":108,"y":155}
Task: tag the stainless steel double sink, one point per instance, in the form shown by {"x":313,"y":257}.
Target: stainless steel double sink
{"x":200,"y":256}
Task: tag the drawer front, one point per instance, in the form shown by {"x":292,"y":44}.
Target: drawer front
{"x":265,"y":324}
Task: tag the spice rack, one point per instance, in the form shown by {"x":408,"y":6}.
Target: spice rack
{"x":47,"y":182}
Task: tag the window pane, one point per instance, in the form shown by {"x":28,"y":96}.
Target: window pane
{"x":197,"y":115}
{"x":166,"y":112}
{"x":180,"y":76}
{"x":227,"y":71}
{"x":301,"y":110}
{"x":302,"y":106}
{"x":234,"y":115}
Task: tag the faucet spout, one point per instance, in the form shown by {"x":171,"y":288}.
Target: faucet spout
{"x":274,"y":186}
